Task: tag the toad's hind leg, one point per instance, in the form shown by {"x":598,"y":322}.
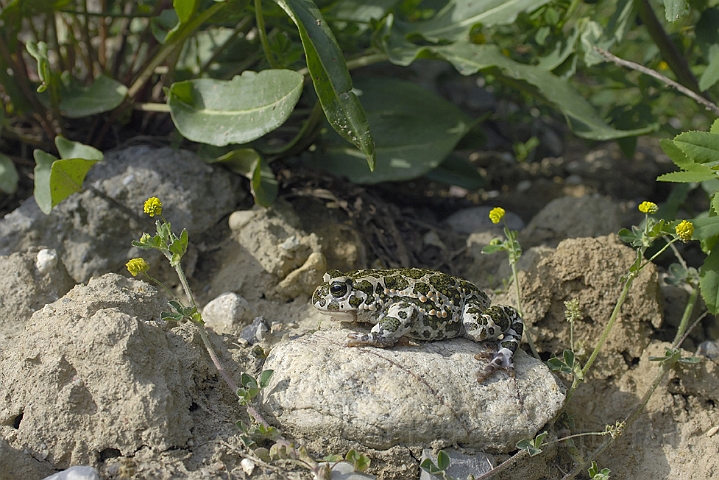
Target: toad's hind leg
{"x":492,"y":324}
{"x":398,"y":322}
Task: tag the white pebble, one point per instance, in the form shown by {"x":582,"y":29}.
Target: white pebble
{"x":248,"y":466}
{"x":46,"y":260}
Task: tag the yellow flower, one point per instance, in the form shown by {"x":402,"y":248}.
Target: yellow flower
{"x":496,"y":215}
{"x":137,"y":265}
{"x":685,"y":230}
{"x":648,"y":207}
{"x":153,"y":206}
{"x":663,"y":65}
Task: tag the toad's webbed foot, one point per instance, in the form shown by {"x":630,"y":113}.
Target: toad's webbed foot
{"x":501,"y":360}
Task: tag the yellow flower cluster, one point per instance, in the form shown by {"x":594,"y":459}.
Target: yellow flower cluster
{"x":685,"y":230}
{"x":137,"y":265}
{"x":153,"y":206}
{"x":648,"y":208}
{"x":496,"y":214}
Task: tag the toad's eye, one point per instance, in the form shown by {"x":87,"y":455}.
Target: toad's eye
{"x":338,"y":289}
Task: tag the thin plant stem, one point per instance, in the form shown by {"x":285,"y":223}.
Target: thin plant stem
{"x":530,"y":341}
{"x":602,"y":338}
{"x":667,"y":81}
{"x":260,"y":19}
{"x":201,"y":328}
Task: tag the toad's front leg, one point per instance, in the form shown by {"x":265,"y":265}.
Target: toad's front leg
{"x":396,"y":323}
{"x":495,"y":323}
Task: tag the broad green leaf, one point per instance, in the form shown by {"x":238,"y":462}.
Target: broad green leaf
{"x":705,"y":227}
{"x":701,"y":147}
{"x":714,"y":203}
{"x":443,"y":460}
{"x":711,"y":74}
{"x":332,"y":82}
{"x":715,"y":127}
{"x":164,"y":24}
{"x":70,"y":149}
{"x":563,"y":49}
{"x":236,"y":111}
{"x":185,"y":9}
{"x":8,"y":175}
{"x":457,"y":17}
{"x":55,"y":180}
{"x":674,"y":152}
{"x":709,"y":281}
{"x":103,"y":95}
{"x":674,"y":9}
{"x":248,"y":163}
{"x":580,"y":115}
{"x":361,"y":10}
{"x":414,"y":131}
{"x":687,"y":176}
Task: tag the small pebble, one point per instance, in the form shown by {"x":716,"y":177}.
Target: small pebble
{"x":248,"y":466}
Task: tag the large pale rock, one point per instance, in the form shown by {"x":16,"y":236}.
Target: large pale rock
{"x":95,"y":375}
{"x":405,"y":395}
{"x":571,"y":217}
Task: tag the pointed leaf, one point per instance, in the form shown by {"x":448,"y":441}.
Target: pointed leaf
{"x":55,"y":180}
{"x":443,"y":460}
{"x":581,"y":116}
{"x":237,"y":111}
{"x":43,"y":168}
{"x":330,"y":77}
{"x":701,"y":147}
{"x":687,"y":176}
{"x":674,"y":152}
{"x":458,"y":17}
{"x":709,"y":281}
{"x":69,"y":149}
{"x":8,"y":175}
{"x":103,"y":95}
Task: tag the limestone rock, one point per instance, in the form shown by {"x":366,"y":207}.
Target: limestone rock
{"x":408,"y":395}
{"x":228,"y":312}
{"x":94,"y":373}
{"x":588,"y":270}
{"x":571,"y":217}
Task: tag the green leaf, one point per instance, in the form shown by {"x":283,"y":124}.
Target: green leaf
{"x":8,"y":175}
{"x":443,"y":460}
{"x":675,"y":9}
{"x":69,"y":149}
{"x":710,"y":75}
{"x":705,"y":228}
{"x":674,"y":152}
{"x":428,"y":466}
{"x":330,"y":77}
{"x":237,"y":111}
{"x":55,"y":180}
{"x":581,"y":116}
{"x":457,"y":17}
{"x":701,"y":147}
{"x":709,"y":281}
{"x":263,"y":184}
{"x":265,"y":378}
{"x":248,"y":381}
{"x":687,"y":176}
{"x":414,"y":131}
{"x":103,"y":95}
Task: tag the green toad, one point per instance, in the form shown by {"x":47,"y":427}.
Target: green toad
{"x":419,"y":304}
